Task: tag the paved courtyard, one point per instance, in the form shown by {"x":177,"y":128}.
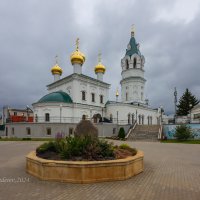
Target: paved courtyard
{"x":172,"y":172}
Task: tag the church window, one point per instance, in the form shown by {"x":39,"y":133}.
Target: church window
{"x":141,"y":95}
{"x":83,"y":95}
{"x":142,"y":119}
{"x":127,"y":65}
{"x":101,"y":98}
{"x":28,"y":131}
{"x":13,"y":131}
{"x":134,"y":63}
{"x":48,"y":131}
{"x":93,"y":97}
{"x":47,"y":117}
{"x":71,"y":130}
{"x":111,"y":117}
{"x":133,"y":118}
{"x":129,"y":118}
{"x":126,"y":96}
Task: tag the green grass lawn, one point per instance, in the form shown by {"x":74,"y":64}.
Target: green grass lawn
{"x":26,"y":139}
{"x":182,"y":142}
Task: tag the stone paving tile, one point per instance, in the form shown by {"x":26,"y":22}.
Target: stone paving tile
{"x":172,"y":172}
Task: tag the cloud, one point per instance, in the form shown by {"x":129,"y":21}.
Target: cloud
{"x":33,"y":32}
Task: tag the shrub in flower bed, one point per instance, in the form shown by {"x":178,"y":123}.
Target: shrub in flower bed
{"x":83,"y":148}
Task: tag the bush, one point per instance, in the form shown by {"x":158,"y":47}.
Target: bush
{"x":183,"y":132}
{"x":121,"y":133}
{"x":26,"y":138}
{"x":124,"y":146}
{"x":47,"y":146}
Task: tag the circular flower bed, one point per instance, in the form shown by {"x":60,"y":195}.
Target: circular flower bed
{"x":83,"y":149}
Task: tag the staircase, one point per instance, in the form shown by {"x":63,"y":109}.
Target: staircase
{"x":144,"y":133}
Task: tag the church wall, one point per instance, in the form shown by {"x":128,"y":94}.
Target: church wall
{"x":132,"y":73}
{"x":39,"y":130}
{"x":124,"y":110}
{"x":135,"y":90}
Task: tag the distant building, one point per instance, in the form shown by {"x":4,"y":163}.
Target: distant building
{"x":10,"y":115}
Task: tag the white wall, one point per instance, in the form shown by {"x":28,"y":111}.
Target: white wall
{"x":125,"y":109}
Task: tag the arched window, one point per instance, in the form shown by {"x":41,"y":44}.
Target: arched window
{"x":47,"y":117}
{"x":127,"y":65}
{"x":111,"y":117}
{"x":134,"y":63}
{"x":83,"y":95}
{"x":139,"y":119}
{"x":142,"y":119}
{"x":129,"y":118}
{"x":133,"y":118}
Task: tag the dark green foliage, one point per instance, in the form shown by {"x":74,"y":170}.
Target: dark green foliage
{"x":121,"y":133}
{"x":47,"y":146}
{"x":184,"y":103}
{"x":79,"y":148}
{"x":183,"y":132}
{"x":127,"y":147}
{"x":26,"y":139}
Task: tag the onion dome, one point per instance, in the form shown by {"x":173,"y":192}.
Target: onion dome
{"x":59,"y":96}
{"x":56,"y":69}
{"x":77,"y":57}
{"x":99,"y":68}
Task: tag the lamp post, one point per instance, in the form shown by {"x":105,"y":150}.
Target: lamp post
{"x":136,"y":116}
{"x":161,"y":111}
{"x":27,"y":108}
{"x":190,"y":113}
{"x":60,"y":113}
{"x":117,"y":117}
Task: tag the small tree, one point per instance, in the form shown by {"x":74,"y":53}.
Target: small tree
{"x":183,"y":132}
{"x":121,"y":133}
{"x":186,"y":103}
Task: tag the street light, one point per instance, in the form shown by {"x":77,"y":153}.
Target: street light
{"x":161,"y":111}
{"x":60,"y":113}
{"x":27,"y":108}
{"x":190,"y":113}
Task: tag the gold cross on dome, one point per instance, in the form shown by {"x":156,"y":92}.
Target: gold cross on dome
{"x":99,"y":57}
{"x":77,"y":44}
{"x":56,"y":58}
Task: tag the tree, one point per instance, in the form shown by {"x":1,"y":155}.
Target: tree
{"x":186,"y":103}
{"x":121,"y":133}
{"x":183,"y":132}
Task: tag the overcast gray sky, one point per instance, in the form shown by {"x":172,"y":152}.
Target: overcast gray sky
{"x":32,"y":32}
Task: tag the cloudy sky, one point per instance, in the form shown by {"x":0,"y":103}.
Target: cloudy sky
{"x":32,"y":32}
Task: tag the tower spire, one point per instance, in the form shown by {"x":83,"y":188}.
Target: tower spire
{"x":56,"y":59}
{"x":99,"y":57}
{"x":77,"y":44}
{"x":132,"y":30}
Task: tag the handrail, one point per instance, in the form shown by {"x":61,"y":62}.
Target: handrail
{"x":131,"y":128}
{"x":160,"y":133}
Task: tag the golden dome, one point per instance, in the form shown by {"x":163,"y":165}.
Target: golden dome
{"x":56,"y":69}
{"x":77,"y":57}
{"x":99,"y":68}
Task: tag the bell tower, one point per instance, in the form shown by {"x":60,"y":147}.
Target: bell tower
{"x":133,"y":81}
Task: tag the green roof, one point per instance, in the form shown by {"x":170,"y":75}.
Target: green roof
{"x":134,"y":49}
{"x":56,"y":97}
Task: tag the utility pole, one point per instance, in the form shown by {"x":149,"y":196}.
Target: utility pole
{"x":175,"y":102}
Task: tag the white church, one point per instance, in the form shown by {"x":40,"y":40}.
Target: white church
{"x":78,"y":96}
